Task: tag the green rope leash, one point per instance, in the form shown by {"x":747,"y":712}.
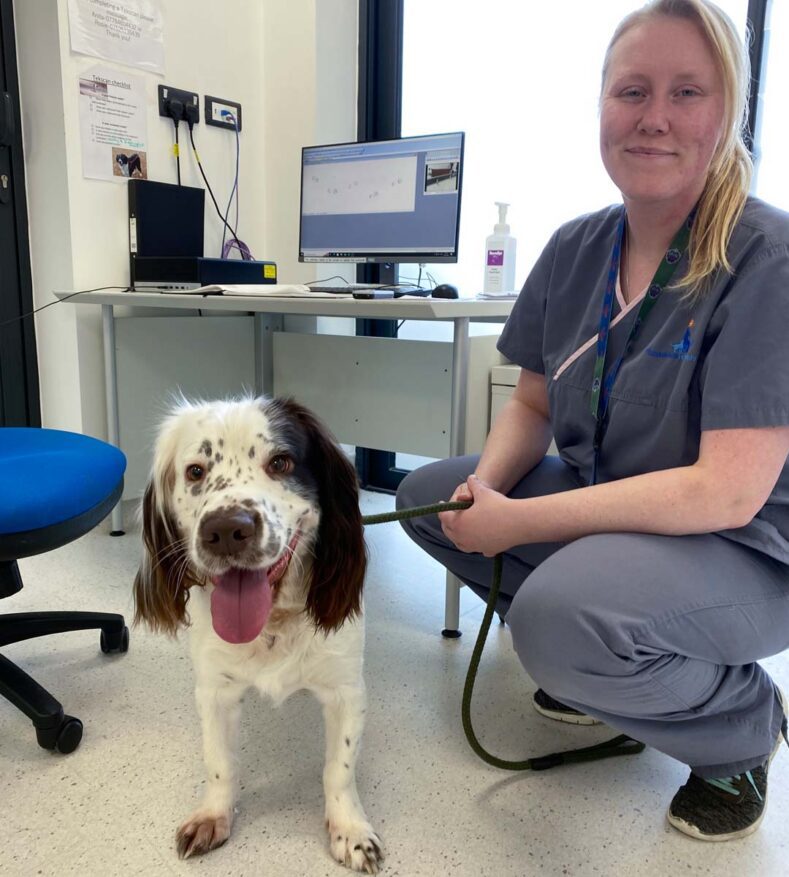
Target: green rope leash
{"x":619,"y":745}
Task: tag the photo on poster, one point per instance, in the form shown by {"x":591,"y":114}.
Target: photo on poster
{"x":129,"y":164}
{"x":91,"y":88}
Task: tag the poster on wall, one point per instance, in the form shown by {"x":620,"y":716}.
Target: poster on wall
{"x":113,"y":125}
{"x":126,"y":31}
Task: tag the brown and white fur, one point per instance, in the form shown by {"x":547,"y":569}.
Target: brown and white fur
{"x":239,"y":487}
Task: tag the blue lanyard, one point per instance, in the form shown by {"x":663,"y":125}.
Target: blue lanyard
{"x":601,"y":387}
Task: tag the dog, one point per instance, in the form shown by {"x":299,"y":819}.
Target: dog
{"x":130,"y":165}
{"x":253,"y":538}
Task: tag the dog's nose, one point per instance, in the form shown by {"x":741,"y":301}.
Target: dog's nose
{"x":227,"y":532}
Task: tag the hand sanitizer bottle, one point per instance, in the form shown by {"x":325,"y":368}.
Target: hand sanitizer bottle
{"x":500,"y":250}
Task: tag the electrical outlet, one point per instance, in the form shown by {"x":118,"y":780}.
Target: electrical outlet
{"x":166,"y":94}
{"x":215,"y":109}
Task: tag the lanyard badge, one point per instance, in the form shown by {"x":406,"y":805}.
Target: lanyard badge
{"x":601,"y":385}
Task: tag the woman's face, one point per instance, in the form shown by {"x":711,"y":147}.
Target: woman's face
{"x":661,"y":113}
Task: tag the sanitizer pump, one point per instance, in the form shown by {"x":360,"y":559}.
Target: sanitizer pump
{"x":500,"y":256}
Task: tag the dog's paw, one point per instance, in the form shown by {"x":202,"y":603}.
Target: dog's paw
{"x":356,"y":846}
{"x":201,"y":833}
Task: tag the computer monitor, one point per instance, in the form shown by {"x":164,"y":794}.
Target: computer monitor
{"x":383,"y":201}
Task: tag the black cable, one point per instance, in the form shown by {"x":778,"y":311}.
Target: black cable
{"x":325,"y":279}
{"x":405,"y":281}
{"x":177,"y":151}
{"x":205,"y":180}
{"x":175,"y":110}
{"x":59,"y":300}
{"x":234,"y":190}
{"x":191,"y":115}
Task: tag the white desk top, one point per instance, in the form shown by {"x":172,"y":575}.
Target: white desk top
{"x":479,"y":311}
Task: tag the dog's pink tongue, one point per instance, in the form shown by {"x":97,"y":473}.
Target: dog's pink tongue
{"x":240,"y":604}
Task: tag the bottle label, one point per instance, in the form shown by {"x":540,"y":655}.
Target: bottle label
{"x":495,"y":257}
{"x":494,"y":278}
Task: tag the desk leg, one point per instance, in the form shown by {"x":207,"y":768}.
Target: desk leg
{"x":265,"y":327}
{"x":457,"y":417}
{"x":111,"y":393}
{"x":457,"y":446}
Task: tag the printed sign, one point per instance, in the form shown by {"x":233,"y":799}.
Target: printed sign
{"x":126,"y":31}
{"x":113,"y":125}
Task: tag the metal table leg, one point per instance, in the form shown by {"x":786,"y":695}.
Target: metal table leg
{"x":111,"y":393}
{"x":457,"y":447}
{"x":265,"y":327}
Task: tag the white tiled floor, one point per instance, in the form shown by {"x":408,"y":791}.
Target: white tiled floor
{"x":112,"y":806}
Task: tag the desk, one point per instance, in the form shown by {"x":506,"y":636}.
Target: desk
{"x":460,"y":312}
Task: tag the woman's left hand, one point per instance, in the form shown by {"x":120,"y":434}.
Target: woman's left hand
{"x":484,"y":526}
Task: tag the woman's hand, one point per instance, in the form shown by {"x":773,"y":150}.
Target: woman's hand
{"x":483,"y":527}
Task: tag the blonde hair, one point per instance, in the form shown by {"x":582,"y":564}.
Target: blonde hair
{"x":731,"y":167}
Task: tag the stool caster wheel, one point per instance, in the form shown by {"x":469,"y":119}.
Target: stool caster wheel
{"x":69,"y":735}
{"x":117,"y":641}
{"x":64,"y":738}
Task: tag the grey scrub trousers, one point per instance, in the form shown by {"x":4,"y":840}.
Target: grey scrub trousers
{"x":658,"y":636}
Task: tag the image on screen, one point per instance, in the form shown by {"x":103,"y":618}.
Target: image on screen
{"x":383,"y":201}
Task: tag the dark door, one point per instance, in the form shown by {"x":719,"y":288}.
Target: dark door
{"x":378,"y":116}
{"x":19,"y":399}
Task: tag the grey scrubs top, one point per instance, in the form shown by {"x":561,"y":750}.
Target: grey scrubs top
{"x":720,"y":363}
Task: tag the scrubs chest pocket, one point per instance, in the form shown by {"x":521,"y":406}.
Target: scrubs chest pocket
{"x":652,"y":421}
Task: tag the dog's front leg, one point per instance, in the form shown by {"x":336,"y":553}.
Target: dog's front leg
{"x":352,"y":839}
{"x":219,"y":705}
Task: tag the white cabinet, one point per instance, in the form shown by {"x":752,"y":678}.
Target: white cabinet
{"x":503,"y":379}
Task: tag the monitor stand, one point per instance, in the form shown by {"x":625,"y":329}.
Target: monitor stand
{"x":385,"y":273}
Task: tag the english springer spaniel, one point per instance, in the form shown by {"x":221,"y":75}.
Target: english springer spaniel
{"x":251,"y":522}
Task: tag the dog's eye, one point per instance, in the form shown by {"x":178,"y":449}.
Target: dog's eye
{"x":280,"y":465}
{"x":194,"y":472}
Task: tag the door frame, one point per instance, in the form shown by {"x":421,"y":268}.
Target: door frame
{"x":20,"y":403}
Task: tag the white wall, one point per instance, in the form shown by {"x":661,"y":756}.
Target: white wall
{"x":292,"y":66}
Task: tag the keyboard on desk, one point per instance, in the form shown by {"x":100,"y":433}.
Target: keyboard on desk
{"x":347,"y":287}
{"x":402,"y":289}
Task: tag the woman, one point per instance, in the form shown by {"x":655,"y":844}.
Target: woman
{"x":646,"y":569}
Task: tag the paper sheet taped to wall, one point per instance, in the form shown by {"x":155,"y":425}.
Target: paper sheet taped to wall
{"x":113,"y":125}
{"x":126,"y":31}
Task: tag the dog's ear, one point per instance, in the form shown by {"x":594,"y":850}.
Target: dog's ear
{"x":161,"y":586}
{"x":340,"y":560}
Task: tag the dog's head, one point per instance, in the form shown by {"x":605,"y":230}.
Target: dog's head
{"x":244,"y":494}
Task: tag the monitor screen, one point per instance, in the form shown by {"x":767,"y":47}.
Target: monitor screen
{"x":383,"y":201}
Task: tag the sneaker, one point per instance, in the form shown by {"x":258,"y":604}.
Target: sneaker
{"x":726,"y":808}
{"x":547,"y":706}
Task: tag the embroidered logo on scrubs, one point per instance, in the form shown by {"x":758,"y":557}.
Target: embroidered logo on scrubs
{"x":678,"y":350}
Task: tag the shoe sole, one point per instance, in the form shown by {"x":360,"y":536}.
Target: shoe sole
{"x":567,"y":718}
{"x":692,"y":831}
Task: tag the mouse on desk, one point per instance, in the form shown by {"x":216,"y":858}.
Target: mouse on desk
{"x":445,"y":290}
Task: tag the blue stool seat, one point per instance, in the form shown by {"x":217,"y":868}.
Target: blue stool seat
{"x":54,"y":487}
{"x":53,"y":484}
